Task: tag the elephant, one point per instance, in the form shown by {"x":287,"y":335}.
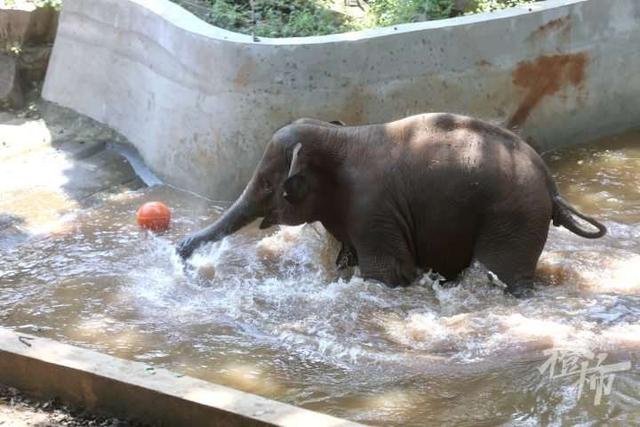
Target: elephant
{"x":431,"y":191}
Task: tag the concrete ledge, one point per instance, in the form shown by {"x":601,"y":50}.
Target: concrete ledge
{"x":44,"y":368}
{"x":200,"y":103}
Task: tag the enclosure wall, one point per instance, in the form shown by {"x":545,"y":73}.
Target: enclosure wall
{"x":200,"y":103}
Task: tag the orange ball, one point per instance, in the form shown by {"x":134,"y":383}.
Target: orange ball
{"x":154,"y":216}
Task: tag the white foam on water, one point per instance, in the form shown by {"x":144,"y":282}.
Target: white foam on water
{"x":282,"y":290}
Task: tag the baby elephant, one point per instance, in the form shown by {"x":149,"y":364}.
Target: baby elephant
{"x":432,"y":191}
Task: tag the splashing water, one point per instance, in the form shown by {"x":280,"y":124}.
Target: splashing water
{"x":268,"y":313}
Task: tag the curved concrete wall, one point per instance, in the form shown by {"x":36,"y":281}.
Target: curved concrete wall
{"x":200,"y":103}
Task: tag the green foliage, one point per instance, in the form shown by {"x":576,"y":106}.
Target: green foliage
{"x":392,"y":12}
{"x":290,"y":18}
{"x":278,"y":18}
{"x":227,"y":15}
{"x":492,"y":5}
{"x":56,"y":4}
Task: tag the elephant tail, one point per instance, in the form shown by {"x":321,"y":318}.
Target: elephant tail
{"x":563,"y":215}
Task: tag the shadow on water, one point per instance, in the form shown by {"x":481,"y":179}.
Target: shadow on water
{"x":54,"y":163}
{"x":11,"y":234}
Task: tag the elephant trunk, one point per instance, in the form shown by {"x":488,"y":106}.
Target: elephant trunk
{"x":242,"y":212}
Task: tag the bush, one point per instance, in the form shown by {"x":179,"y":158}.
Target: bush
{"x":392,"y":12}
{"x":278,"y":18}
{"x":289,"y":18}
{"x":493,"y":5}
{"x":56,"y":4}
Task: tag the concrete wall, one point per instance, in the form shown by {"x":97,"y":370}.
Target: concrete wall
{"x":200,"y":103}
{"x":46,"y":369}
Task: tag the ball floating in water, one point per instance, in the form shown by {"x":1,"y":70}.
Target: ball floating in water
{"x":207,"y":271}
{"x":154,"y":216}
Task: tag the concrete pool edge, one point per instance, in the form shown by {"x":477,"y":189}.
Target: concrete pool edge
{"x":45,"y":368}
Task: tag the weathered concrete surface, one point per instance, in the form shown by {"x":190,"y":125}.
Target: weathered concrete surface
{"x":54,"y":162}
{"x":200,"y":103}
{"x":101,"y":383}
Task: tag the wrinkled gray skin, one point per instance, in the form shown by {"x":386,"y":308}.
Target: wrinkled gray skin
{"x":432,"y":191}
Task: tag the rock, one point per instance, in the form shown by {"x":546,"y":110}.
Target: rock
{"x":10,"y":90}
{"x":28,"y":27}
{"x":33,"y":62}
{"x":28,"y":33}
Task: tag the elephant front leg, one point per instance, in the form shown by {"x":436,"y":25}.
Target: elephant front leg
{"x":392,"y":270}
{"x":189,"y":244}
{"x":347,"y":257}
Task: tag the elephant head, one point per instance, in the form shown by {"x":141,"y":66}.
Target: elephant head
{"x":286,"y":187}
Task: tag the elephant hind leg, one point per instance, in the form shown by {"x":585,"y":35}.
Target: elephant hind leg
{"x":512,"y":252}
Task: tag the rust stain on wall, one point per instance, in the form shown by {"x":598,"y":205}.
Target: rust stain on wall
{"x":483,"y":63}
{"x":560,"y":25}
{"x":243,"y":76}
{"x":545,"y":76}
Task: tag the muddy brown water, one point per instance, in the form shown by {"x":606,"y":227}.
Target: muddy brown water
{"x":265,"y":312}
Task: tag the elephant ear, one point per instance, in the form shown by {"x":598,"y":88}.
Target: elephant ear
{"x":296,"y":186}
